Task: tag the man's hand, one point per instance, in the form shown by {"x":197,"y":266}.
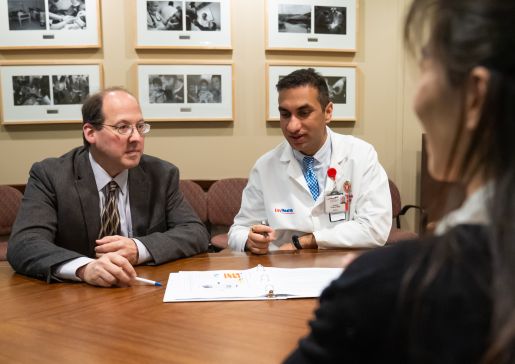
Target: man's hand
{"x":121,"y":245}
{"x":111,"y":269}
{"x":259,"y":239}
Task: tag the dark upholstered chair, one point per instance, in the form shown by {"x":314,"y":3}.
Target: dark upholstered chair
{"x":223,"y":203}
{"x":10,"y":199}
{"x":196,"y":197}
{"x":396,"y":234}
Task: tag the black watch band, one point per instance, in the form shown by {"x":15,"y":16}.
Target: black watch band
{"x":296,"y":242}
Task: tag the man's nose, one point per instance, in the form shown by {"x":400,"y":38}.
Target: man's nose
{"x":135,"y":135}
{"x":294,"y":124}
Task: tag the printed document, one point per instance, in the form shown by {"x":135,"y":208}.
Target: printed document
{"x":258,"y":283}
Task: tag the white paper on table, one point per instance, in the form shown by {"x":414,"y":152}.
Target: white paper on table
{"x":258,"y":283}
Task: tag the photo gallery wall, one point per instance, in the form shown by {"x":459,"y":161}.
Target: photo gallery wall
{"x":33,"y":24}
{"x":186,"y":91}
{"x":47,"y":92}
{"x":183,"y":24}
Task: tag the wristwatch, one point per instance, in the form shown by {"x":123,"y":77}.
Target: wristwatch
{"x":296,"y":242}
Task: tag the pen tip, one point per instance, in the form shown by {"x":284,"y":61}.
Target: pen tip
{"x":158,"y":284}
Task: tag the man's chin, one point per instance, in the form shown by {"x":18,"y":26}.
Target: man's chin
{"x":131,"y":161}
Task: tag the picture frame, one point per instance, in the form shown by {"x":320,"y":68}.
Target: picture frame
{"x":183,"y":25}
{"x":186,"y":91}
{"x":341,"y":80}
{"x":311,"y":25}
{"x":42,"y":24}
{"x":46,"y":93}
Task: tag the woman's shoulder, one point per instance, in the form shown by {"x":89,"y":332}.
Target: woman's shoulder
{"x":464,"y":249}
{"x":462,"y":240}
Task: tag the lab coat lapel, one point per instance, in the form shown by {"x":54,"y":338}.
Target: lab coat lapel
{"x":339,"y":156}
{"x":293,"y":169}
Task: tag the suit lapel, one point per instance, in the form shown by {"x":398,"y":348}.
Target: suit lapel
{"x":139,"y":197}
{"x":88,"y":195}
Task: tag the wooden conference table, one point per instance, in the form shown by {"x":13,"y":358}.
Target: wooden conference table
{"x":77,"y":323}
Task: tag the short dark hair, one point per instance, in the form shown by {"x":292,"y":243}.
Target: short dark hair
{"x":306,"y":77}
{"x":92,"y":109}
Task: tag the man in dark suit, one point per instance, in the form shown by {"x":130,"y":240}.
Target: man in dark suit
{"x":71,"y":227}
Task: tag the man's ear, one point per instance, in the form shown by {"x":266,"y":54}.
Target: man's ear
{"x":89,"y":133}
{"x":328,"y":112}
{"x":477,"y":86}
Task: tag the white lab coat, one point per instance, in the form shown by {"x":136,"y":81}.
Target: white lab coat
{"x":277,"y":192}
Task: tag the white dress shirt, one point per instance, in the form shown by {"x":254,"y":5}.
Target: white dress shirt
{"x":322,"y":160}
{"x":474,"y":210}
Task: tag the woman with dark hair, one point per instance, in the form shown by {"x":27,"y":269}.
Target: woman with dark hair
{"x":449,"y":298}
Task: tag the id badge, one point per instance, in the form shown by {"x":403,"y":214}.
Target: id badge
{"x":340,"y":216}
{"x":334,"y":204}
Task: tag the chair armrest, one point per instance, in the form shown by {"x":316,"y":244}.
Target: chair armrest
{"x":423,"y":216}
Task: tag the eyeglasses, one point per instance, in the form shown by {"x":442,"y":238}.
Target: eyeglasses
{"x":126,"y":129}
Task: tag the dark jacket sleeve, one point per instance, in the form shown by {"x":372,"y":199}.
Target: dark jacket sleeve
{"x":32,"y":250}
{"x":174,"y":231}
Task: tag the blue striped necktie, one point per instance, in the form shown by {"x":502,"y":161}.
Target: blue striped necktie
{"x":310,"y":176}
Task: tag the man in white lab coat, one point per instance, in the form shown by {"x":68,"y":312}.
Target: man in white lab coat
{"x":291,"y":203}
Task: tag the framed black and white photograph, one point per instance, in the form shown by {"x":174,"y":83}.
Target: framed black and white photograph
{"x":317,"y":25}
{"x":33,"y":24}
{"x":179,"y":92}
{"x":49,"y":93}
{"x":183,"y":24}
{"x":341,"y":82}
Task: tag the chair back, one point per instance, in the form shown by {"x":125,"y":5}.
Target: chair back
{"x":223,"y":203}
{"x":224,"y":200}
{"x":195,"y":196}
{"x":396,"y":199}
{"x":10,"y":200}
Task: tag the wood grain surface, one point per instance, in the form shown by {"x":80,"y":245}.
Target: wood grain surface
{"x":77,"y":323}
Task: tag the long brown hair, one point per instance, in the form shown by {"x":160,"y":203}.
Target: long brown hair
{"x":464,"y":34}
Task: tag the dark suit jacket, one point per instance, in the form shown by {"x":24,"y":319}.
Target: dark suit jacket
{"x":59,"y":218}
{"x":370,"y":314}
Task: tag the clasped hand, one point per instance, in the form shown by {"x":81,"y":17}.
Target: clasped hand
{"x":116,"y":256}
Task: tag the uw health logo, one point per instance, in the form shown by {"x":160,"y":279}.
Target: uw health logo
{"x":284,"y":211}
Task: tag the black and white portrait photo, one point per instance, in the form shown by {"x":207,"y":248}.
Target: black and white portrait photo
{"x":26,"y":14}
{"x":165,"y":15}
{"x":166,"y":89}
{"x":203,"y":16}
{"x":66,"y":14}
{"x":337,"y":89}
{"x":294,"y":18}
{"x":204,"y":89}
{"x":70,"y":89}
{"x":330,"y":20}
{"x":31,"y":90}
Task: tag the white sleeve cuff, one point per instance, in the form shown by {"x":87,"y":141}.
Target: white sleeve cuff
{"x":67,"y":270}
{"x":143,"y":253}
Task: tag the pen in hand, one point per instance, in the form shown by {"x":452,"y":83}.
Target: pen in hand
{"x":265,"y":222}
{"x":148,"y":281}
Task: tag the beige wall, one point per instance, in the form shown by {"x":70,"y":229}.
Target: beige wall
{"x":212,"y":150}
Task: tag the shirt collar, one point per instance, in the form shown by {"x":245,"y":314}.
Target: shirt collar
{"x":322,"y":155}
{"x":473,"y":211}
{"x":102,"y":177}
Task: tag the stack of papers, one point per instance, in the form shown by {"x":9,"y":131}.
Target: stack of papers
{"x":258,"y":283}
